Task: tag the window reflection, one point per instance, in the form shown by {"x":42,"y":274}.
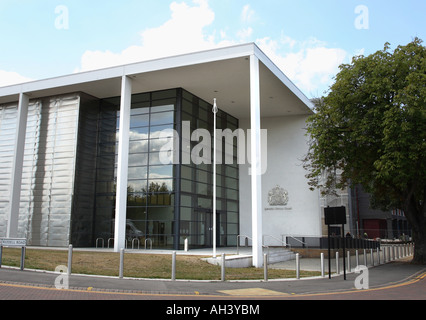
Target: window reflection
{"x":138,"y":159}
{"x":150,"y":199}
{"x":139,"y":133}
{"x":139,"y":121}
{"x":161,"y":144}
{"x":138,"y":146}
{"x":161,"y":118}
{"x":160,"y":185}
{"x":161,"y":172}
{"x":136,"y":186}
{"x":162,"y":131}
{"x":138,"y":173}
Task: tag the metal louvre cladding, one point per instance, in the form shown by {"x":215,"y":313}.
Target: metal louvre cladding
{"x":48,"y":169}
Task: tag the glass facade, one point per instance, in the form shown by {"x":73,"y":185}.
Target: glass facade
{"x":151,"y":185}
{"x":70,"y":164}
{"x":196,"y":183}
{"x":165,"y":203}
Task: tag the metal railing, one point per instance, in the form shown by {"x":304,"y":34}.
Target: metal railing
{"x":247,"y":238}
{"x":304,"y":244}
{"x":283,"y":243}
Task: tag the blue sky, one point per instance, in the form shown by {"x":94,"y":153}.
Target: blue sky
{"x":307,"y":39}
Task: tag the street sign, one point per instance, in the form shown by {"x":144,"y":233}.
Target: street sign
{"x":13,"y":242}
{"x":335,"y":215}
{"x":17,"y":243}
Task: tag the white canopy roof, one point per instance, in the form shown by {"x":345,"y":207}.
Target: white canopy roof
{"x":220,"y":73}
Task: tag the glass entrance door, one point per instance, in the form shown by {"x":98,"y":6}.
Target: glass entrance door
{"x":206,"y":216}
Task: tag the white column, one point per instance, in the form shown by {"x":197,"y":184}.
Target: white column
{"x":256,"y":177}
{"x":15,"y":188}
{"x":122,"y":165}
{"x":215,"y":111}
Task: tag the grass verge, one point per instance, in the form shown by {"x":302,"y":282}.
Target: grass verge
{"x":136,"y":265}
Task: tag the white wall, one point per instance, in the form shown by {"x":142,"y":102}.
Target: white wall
{"x":287,"y":144}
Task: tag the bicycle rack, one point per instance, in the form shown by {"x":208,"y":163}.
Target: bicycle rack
{"x":150,"y":242}
{"x":103,"y":242}
{"x":133,"y":243}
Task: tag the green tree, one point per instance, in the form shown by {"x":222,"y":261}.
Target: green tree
{"x":371,"y":130}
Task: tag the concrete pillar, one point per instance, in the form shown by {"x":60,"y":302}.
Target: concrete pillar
{"x":256,"y":163}
{"x":122,"y":165}
{"x":15,"y":188}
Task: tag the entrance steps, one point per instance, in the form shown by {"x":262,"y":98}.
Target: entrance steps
{"x":278,"y":254}
{"x":275,"y":255}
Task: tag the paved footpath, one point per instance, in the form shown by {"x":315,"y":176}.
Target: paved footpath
{"x":395,"y":280}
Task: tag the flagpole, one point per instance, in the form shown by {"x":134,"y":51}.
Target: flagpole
{"x":215,"y":110}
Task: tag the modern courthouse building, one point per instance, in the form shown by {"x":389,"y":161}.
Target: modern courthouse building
{"x":82,"y":157}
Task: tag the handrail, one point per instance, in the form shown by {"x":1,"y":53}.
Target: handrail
{"x":283,"y":243}
{"x":303,"y":243}
{"x":247,"y":237}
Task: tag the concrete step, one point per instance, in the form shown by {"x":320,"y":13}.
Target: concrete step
{"x":279,"y":255}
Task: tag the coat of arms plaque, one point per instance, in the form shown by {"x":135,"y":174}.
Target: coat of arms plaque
{"x":278,"y":197}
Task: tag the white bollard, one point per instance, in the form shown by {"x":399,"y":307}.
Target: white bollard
{"x":69,"y":259}
{"x":174,"y":266}
{"x":297,"y":266}
{"x":357,"y":258}
{"x":337,"y":262}
{"x":121,"y":263}
{"x":322,"y":265}
{"x":186,"y":245}
{"x":265,"y":267}
{"x":23,"y":249}
{"x":223,"y":268}
{"x":349,"y":261}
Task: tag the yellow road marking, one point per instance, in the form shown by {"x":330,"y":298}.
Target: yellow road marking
{"x":252,"y":292}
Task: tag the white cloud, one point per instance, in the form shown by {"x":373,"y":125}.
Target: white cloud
{"x":182,"y":33}
{"x":286,"y":40}
{"x":8,"y":78}
{"x":311,"y":66}
{"x":245,"y":33}
{"x":248,"y":14}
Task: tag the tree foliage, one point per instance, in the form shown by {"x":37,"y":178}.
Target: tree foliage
{"x":371,"y":130}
